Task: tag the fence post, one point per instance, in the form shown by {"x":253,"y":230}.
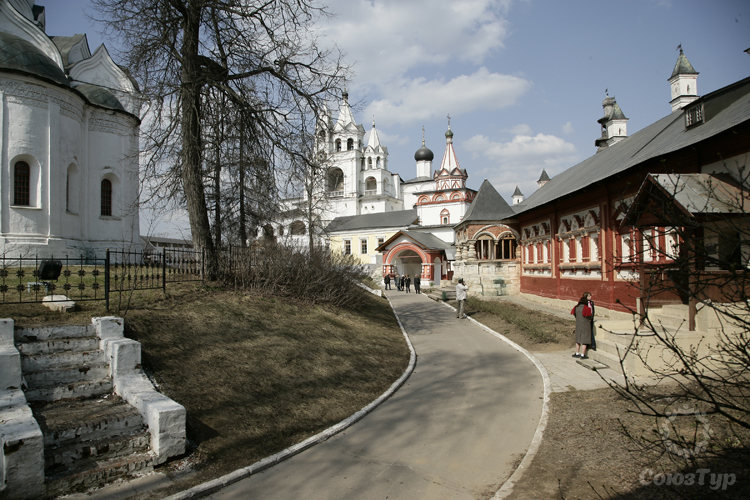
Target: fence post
{"x":164,"y":270}
{"x":106,"y":279}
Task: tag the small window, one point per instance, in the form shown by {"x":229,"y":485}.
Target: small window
{"x":22,"y":184}
{"x":363,"y":247}
{"x":694,"y":115}
{"x":347,"y":247}
{"x":349,"y":144}
{"x":445,"y":217}
{"x":338,"y":144}
{"x":106,"y":198}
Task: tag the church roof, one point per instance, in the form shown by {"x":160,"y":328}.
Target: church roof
{"x":374,"y":139}
{"x":517,"y":192}
{"x":20,"y":55}
{"x":683,"y":66}
{"x":428,"y":241}
{"x":397,"y":218}
{"x":544,"y":177}
{"x":723,"y":109}
{"x":99,"y":96}
{"x":450,"y":161}
{"x":488,"y":205}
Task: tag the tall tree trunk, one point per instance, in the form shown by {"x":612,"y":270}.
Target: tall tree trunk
{"x":192,"y":179}
{"x":219,"y":140}
{"x":243,"y":228}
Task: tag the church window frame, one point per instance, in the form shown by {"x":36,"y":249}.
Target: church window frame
{"x":22,"y":184}
{"x":350,"y":144}
{"x":297,"y":228}
{"x":106,"y":193}
{"x":371,"y":185}
{"x":347,"y":247}
{"x":445,"y":216}
{"x":338,"y":145}
{"x":363,"y":246}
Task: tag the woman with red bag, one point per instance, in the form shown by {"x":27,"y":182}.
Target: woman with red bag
{"x":584,"y":313}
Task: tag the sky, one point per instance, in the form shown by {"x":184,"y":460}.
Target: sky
{"x":522,"y":80}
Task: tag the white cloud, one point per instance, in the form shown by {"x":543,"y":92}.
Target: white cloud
{"x":386,"y":39}
{"x":521,"y":129}
{"x":567,"y":128}
{"x":421,"y":99}
{"x":519,"y":161}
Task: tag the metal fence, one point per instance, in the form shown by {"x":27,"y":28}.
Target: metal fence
{"x":86,"y":278}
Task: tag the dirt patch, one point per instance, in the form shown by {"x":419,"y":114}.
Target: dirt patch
{"x":585,"y":453}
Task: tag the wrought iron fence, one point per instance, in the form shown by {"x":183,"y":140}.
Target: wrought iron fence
{"x":85,"y":278}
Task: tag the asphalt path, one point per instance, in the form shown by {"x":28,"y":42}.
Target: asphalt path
{"x":456,"y":429}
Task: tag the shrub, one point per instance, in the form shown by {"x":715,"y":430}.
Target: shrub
{"x":319,"y":277}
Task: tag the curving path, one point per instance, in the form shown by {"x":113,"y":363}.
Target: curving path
{"x":455,"y":429}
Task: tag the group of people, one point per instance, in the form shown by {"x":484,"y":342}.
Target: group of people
{"x":403,"y":282}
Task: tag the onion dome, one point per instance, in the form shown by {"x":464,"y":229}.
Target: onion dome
{"x":19,"y":55}
{"x":424,"y":153}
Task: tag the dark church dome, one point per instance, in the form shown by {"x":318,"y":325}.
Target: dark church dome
{"x":424,"y":153}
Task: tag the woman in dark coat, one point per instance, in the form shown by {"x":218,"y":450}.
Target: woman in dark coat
{"x":584,"y":313}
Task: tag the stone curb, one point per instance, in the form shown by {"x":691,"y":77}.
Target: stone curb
{"x":216,"y":484}
{"x":507,"y":487}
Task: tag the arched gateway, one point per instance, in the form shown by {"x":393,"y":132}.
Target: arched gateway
{"x":412,"y":252}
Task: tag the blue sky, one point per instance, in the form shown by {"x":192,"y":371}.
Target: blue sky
{"x":523,"y":80}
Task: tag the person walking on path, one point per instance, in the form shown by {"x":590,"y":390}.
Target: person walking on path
{"x":417,"y":284}
{"x":584,"y":314}
{"x":387,"y":280}
{"x":408,"y":284}
{"x":397,"y":280}
{"x":403,"y":282}
{"x":461,"y":298}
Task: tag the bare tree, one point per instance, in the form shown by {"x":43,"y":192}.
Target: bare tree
{"x":692,"y":246}
{"x":259,"y":57}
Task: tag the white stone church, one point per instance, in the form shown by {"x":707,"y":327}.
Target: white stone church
{"x":68,"y":142}
{"x":367,"y":209}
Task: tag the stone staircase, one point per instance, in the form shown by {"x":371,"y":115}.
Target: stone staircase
{"x":91,"y":436}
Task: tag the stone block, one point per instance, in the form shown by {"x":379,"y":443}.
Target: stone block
{"x":21,"y":454}
{"x":59,"y":303}
{"x":108,"y":327}
{"x":10,"y":368}
{"x":6,"y":332}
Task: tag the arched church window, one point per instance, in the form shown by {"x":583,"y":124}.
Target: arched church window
{"x":338,"y":145}
{"x":72,"y":189}
{"x":22,"y":184}
{"x":106,"y":198}
{"x":377,"y":162}
{"x":335,"y":181}
{"x":371,"y":185}
{"x":349,"y":144}
{"x":445,"y":216}
{"x":369,"y":163}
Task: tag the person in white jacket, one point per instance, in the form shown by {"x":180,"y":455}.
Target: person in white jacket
{"x":461,"y":289}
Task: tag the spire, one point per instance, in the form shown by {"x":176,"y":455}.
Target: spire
{"x":683,"y":84}
{"x":450,"y":166}
{"x":517,"y":196}
{"x":614,"y":123}
{"x":374,"y":140}
{"x":346,"y":117}
{"x":543,"y":179}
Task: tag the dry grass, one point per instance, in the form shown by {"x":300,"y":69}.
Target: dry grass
{"x":255,"y":373}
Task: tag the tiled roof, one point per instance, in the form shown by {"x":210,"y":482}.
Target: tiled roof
{"x":488,"y":205}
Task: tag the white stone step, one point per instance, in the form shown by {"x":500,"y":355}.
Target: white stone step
{"x":53,"y":332}
{"x":40,"y":362}
{"x":91,"y":419}
{"x":66,"y":374}
{"x":93,"y":473}
{"x":48,"y":346}
{"x":58,"y":459}
{"x":73,"y":390}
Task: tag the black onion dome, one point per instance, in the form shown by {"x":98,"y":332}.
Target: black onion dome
{"x":424,"y":154}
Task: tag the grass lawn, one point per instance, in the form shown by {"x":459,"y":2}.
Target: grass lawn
{"x":255,"y":373}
